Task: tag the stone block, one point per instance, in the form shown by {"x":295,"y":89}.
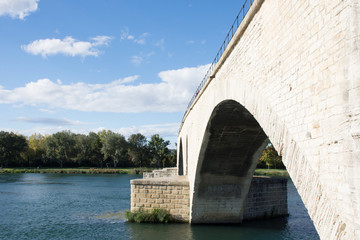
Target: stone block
{"x":159,"y":201}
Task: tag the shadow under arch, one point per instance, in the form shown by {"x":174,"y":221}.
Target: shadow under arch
{"x":232,"y":145}
{"x":180,"y":164}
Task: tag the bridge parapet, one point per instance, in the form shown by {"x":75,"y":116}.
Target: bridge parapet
{"x":241,"y":21}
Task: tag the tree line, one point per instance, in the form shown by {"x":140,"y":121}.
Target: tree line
{"x":102,"y":149}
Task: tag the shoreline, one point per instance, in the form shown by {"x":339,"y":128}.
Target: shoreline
{"x":76,"y":170}
{"x":258,"y":172}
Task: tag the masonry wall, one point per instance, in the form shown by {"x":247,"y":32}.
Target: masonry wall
{"x":167,"y":193}
{"x":267,"y":197}
{"x":165,"y":172}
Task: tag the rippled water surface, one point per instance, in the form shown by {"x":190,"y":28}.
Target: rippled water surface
{"x":54,"y":206}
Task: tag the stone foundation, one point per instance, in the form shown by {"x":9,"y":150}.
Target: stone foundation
{"x":165,"y":172}
{"x":267,"y":197}
{"x":171,"y":193}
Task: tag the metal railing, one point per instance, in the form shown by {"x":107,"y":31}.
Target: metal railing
{"x":241,"y":15}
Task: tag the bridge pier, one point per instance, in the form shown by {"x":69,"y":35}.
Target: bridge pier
{"x":219,"y":199}
{"x":267,"y":198}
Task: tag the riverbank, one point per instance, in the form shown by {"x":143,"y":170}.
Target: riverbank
{"x":272,"y":173}
{"x":258,"y":172}
{"x":77,"y":170}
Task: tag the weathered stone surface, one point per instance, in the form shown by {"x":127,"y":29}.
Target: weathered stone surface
{"x":294,"y":66}
{"x":165,"y":172}
{"x":267,"y":197}
{"x":164,"y":192}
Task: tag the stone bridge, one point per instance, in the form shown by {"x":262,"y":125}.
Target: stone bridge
{"x":289,"y":74}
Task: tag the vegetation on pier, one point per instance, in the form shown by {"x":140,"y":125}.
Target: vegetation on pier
{"x":157,"y":215}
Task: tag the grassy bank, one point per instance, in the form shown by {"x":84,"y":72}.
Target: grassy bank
{"x":272,"y":173}
{"x":77,"y":170}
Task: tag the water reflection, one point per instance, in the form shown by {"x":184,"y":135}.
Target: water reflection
{"x":161,"y":231}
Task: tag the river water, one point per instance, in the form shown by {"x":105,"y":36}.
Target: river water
{"x":55,"y":206}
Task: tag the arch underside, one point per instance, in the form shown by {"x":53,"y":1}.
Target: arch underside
{"x":232,"y":144}
{"x":180,"y":163}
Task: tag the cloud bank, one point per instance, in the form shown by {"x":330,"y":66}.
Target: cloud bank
{"x":18,"y":8}
{"x":49,"y":121}
{"x":164,"y":130}
{"x":67,"y":46}
{"x":171,"y":94}
{"x":54,"y":125}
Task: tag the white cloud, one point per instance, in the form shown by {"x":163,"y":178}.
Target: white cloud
{"x":192,"y":42}
{"x":125,"y":80}
{"x":161,"y":44}
{"x":125,"y":35}
{"x":18,"y":8}
{"x":172,"y":94}
{"x":67,"y":46}
{"x":167,"y":131}
{"x":45,"y":130}
{"x":49,"y":121}
{"x":137,"y":60}
{"x":164,"y":130}
{"x":130,"y":37}
{"x":47,"y":111}
{"x":101,"y":40}
{"x":141,"y":39}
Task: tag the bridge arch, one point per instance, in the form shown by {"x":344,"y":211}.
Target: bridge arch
{"x":231,"y":147}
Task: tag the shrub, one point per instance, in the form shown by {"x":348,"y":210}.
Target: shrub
{"x":157,"y":215}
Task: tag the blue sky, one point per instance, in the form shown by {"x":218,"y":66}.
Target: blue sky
{"x":87,"y":65}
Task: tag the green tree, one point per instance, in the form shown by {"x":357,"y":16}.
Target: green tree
{"x":82,"y":150}
{"x":11,"y":146}
{"x":115,"y":148}
{"x":271,"y":159}
{"x":60,"y":147}
{"x":36,"y":151}
{"x":171,"y":160}
{"x":50,"y":150}
{"x":137,"y":151}
{"x":96,"y":157}
{"x":103,"y":134}
{"x":89,"y":150}
{"x":159,"y":150}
